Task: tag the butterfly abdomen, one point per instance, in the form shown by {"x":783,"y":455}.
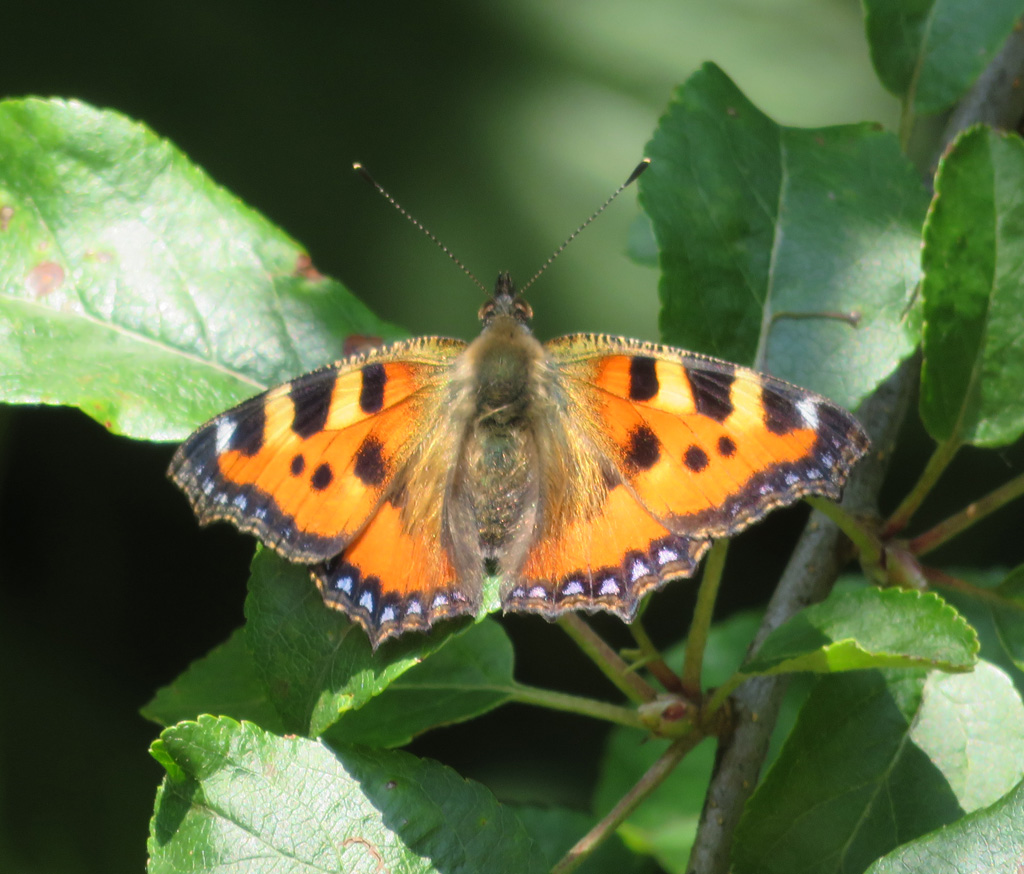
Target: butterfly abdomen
{"x":501,"y":484}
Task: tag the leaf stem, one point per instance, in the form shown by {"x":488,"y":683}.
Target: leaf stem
{"x":869,"y":549}
{"x":719,"y":697}
{"x":939,"y":461}
{"x":523,"y":694}
{"x":628,"y":803}
{"x":651,"y":659}
{"x":697,"y":640}
{"x":631,"y":684}
{"x":970,"y":514}
{"x":942,"y":580}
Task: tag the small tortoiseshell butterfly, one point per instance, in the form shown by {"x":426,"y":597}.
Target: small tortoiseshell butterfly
{"x":586,"y":471}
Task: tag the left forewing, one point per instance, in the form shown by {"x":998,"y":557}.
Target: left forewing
{"x":305,"y":465}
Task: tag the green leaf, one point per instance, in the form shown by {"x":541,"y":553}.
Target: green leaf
{"x":135,"y":288}
{"x":877,"y":759}
{"x":764,"y":229}
{"x":224,"y":682}
{"x":981,"y":613}
{"x":929,"y":52}
{"x":159,"y":752}
{"x":973,"y":293}
{"x":555,"y":830}
{"x":469,"y":676}
{"x":245,"y":800}
{"x":989,"y":841}
{"x":316,"y":664}
{"x":641,"y":245}
{"x":869,"y":628}
{"x":1009,"y":619}
{"x":847,"y":785}
{"x":972,"y":728}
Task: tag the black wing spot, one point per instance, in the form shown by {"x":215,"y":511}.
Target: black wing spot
{"x":780,"y":413}
{"x":371,"y":394}
{"x":644,"y":449}
{"x":298,"y":464}
{"x":695,"y":458}
{"x":371,"y":466}
{"x":248,"y":435}
{"x":311,"y":399}
{"x":322,"y":477}
{"x":712,"y":392}
{"x":643,"y":378}
{"x":726,"y":446}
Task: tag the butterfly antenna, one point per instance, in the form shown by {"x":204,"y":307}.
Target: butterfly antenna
{"x":362,"y":171}
{"x":643,"y":165}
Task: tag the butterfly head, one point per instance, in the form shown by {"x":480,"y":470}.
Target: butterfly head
{"x":505,"y":303}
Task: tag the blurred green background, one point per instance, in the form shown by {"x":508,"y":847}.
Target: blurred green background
{"x":501,"y":126}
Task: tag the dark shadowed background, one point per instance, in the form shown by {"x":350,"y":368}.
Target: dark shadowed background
{"x":500,"y":125}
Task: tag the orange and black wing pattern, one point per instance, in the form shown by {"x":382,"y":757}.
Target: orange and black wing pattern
{"x":314,"y":468}
{"x":700,"y":449}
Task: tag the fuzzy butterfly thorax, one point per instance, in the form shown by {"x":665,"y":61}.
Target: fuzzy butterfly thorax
{"x":506,"y":361}
{"x":585,"y":472}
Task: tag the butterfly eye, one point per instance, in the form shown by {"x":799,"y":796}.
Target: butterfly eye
{"x":505,"y":302}
{"x":522,"y":311}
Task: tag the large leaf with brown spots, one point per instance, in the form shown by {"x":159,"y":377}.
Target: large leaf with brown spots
{"x":767,"y":234}
{"x":135,"y":288}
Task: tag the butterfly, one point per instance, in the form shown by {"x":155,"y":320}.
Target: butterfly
{"x":586,"y":471}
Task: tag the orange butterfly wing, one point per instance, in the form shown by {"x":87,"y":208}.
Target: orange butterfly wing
{"x":393,"y":579}
{"x":304,"y":465}
{"x":702,"y":449}
{"x":608,"y":561}
{"x":315,"y":467}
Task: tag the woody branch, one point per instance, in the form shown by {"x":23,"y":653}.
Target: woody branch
{"x":815,"y":563}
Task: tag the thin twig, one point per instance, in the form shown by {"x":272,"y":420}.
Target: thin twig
{"x":969,"y":515}
{"x":650,"y":658}
{"x":993,"y":597}
{"x":697,"y":640}
{"x":935,"y":467}
{"x":628,"y":803}
{"x":617,"y":713}
{"x":632,"y":685}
